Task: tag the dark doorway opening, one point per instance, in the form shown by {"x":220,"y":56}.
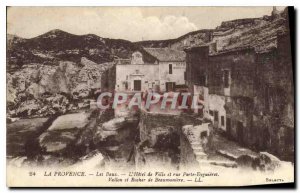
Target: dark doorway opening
{"x":170,"y":86}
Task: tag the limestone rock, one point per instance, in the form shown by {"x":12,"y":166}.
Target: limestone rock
{"x":268,"y":161}
{"x":63,"y":132}
{"x":21,"y":136}
{"x":114,"y":124}
{"x":70,"y":121}
{"x":35,"y":90}
{"x":28,"y":108}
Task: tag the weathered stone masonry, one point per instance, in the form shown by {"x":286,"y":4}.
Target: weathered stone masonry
{"x":250,"y":94}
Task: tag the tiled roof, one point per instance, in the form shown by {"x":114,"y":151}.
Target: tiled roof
{"x":166,"y":54}
{"x":123,"y":61}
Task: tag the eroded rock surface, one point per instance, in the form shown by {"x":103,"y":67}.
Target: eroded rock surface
{"x":52,"y":88}
{"x":116,"y":140}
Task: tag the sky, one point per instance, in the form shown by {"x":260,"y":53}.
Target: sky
{"x":130,"y":23}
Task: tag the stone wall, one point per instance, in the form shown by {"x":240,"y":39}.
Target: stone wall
{"x":159,"y":140}
{"x":273,"y":115}
{"x":177,"y":76}
{"x":196,"y":66}
{"x":146,"y":73}
{"x":172,"y":140}
{"x":240,"y":66}
{"x":194,"y":141}
{"x":151,"y":123}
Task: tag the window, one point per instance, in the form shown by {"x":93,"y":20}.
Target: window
{"x":211,"y":112}
{"x":170,"y":69}
{"x":222,"y":121}
{"x":226,"y":78}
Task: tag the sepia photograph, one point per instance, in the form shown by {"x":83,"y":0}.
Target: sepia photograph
{"x":150,"y":96}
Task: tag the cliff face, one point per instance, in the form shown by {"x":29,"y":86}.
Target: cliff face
{"x":44,"y":89}
{"x":259,"y":33}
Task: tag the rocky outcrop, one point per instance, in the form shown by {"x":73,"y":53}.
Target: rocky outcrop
{"x":28,"y":108}
{"x":116,"y":139}
{"x":44,"y":90}
{"x":21,"y":136}
{"x":264,"y":161}
{"x":63,"y":132}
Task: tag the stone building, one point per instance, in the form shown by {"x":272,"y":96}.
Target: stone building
{"x":247,"y":86}
{"x":160,"y":69}
{"x":247,"y":94}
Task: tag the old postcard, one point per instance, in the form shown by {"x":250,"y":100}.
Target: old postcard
{"x":150,"y":96}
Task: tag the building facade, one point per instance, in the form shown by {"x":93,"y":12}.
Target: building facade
{"x":159,"y":69}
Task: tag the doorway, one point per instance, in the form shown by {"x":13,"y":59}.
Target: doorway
{"x":170,"y":86}
{"x":137,"y":85}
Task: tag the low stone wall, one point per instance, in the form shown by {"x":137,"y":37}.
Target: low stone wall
{"x":155,"y":123}
{"x":193,"y":144}
{"x":176,"y":140}
{"x":159,"y":140}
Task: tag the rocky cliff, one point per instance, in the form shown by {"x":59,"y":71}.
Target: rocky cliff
{"x":41,"y":90}
{"x":259,"y":33}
